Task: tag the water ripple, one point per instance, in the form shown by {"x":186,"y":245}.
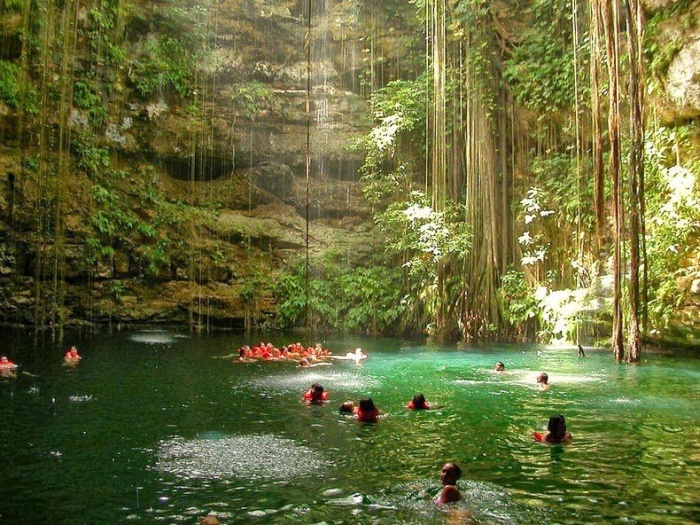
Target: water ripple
{"x":250,"y":457}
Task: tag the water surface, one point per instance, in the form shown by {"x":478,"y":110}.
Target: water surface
{"x":159,"y":427}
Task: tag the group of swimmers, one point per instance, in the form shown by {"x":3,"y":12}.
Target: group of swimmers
{"x":556,"y":433}
{"x":556,"y":426}
{"x":295,"y":351}
{"x":303,"y":356}
{"x":9,"y":368}
{"x":367,"y":412}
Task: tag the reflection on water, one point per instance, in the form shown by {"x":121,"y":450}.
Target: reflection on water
{"x":155,"y":337}
{"x":158,"y":427}
{"x":249,"y":457}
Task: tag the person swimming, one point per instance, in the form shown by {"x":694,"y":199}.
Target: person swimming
{"x":556,"y":431}
{"x":543,"y":381}
{"x":357,"y":356}
{"x":6,"y":364}
{"x":449,"y":493}
{"x":315,"y":395}
{"x":72,"y":354}
{"x":418,"y":403}
{"x":7,"y":368}
{"x":500,"y":367}
{"x":367,"y":412}
{"x":348,"y":408}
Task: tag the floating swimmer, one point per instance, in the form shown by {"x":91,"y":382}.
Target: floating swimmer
{"x":357,"y":356}
{"x":556,"y":431}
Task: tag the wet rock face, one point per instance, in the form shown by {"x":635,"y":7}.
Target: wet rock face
{"x":684,"y":79}
{"x":679,"y":36}
{"x":260,"y":144}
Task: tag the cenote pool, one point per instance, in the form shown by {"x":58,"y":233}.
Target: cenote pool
{"x":157,"y":427}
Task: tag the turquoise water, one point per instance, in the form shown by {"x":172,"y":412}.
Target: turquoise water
{"x":157,"y":427}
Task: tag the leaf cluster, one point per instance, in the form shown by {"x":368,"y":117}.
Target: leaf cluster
{"x":540,"y":71}
{"x":360,"y":299}
{"x":171,"y":54}
{"x":517,"y":298}
{"x":422,"y":236}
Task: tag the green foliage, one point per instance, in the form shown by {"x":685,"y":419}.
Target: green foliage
{"x":533,"y":241}
{"x":156,"y":256}
{"x":89,"y":156}
{"x":672,"y":218}
{"x":13,"y":92}
{"x":14,"y":5}
{"x":659,"y":55}
{"x":569,"y":195}
{"x":423,"y":236}
{"x":399,"y":132}
{"x":103,"y":31}
{"x":85,"y":96}
{"x":171,"y":56}
{"x":362,"y":300}
{"x":116,"y":289}
{"x":540,"y":71}
{"x":251,"y":98}
{"x":115,"y":218}
{"x":518,"y":301}
{"x":432,"y":247}
{"x":9,"y":89}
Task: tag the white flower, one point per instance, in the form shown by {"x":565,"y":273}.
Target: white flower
{"x":525,"y":239}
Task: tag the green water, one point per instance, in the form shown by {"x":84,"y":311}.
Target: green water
{"x":154,"y":427}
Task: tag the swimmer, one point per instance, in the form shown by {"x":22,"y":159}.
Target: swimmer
{"x":348,"y":408}
{"x":6,"y":364}
{"x":367,"y":412}
{"x":305,"y":363}
{"x":543,"y":381}
{"x":210,"y":519}
{"x":418,"y":403}
{"x":556,"y":431}
{"x":357,"y":356}
{"x":315,"y":395}
{"x":72,"y":354}
{"x":245,"y":355}
{"x":7,"y":367}
{"x":500,"y":367}
{"x":449,"y":475}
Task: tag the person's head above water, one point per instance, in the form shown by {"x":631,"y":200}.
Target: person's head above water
{"x":557,"y":427}
{"x":347,"y":408}
{"x":450,"y":473}
{"x":500,"y":367}
{"x":418,"y":402}
{"x":367,"y":404}
{"x":543,"y":378}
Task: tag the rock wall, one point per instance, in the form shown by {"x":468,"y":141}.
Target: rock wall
{"x":228,"y":171}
